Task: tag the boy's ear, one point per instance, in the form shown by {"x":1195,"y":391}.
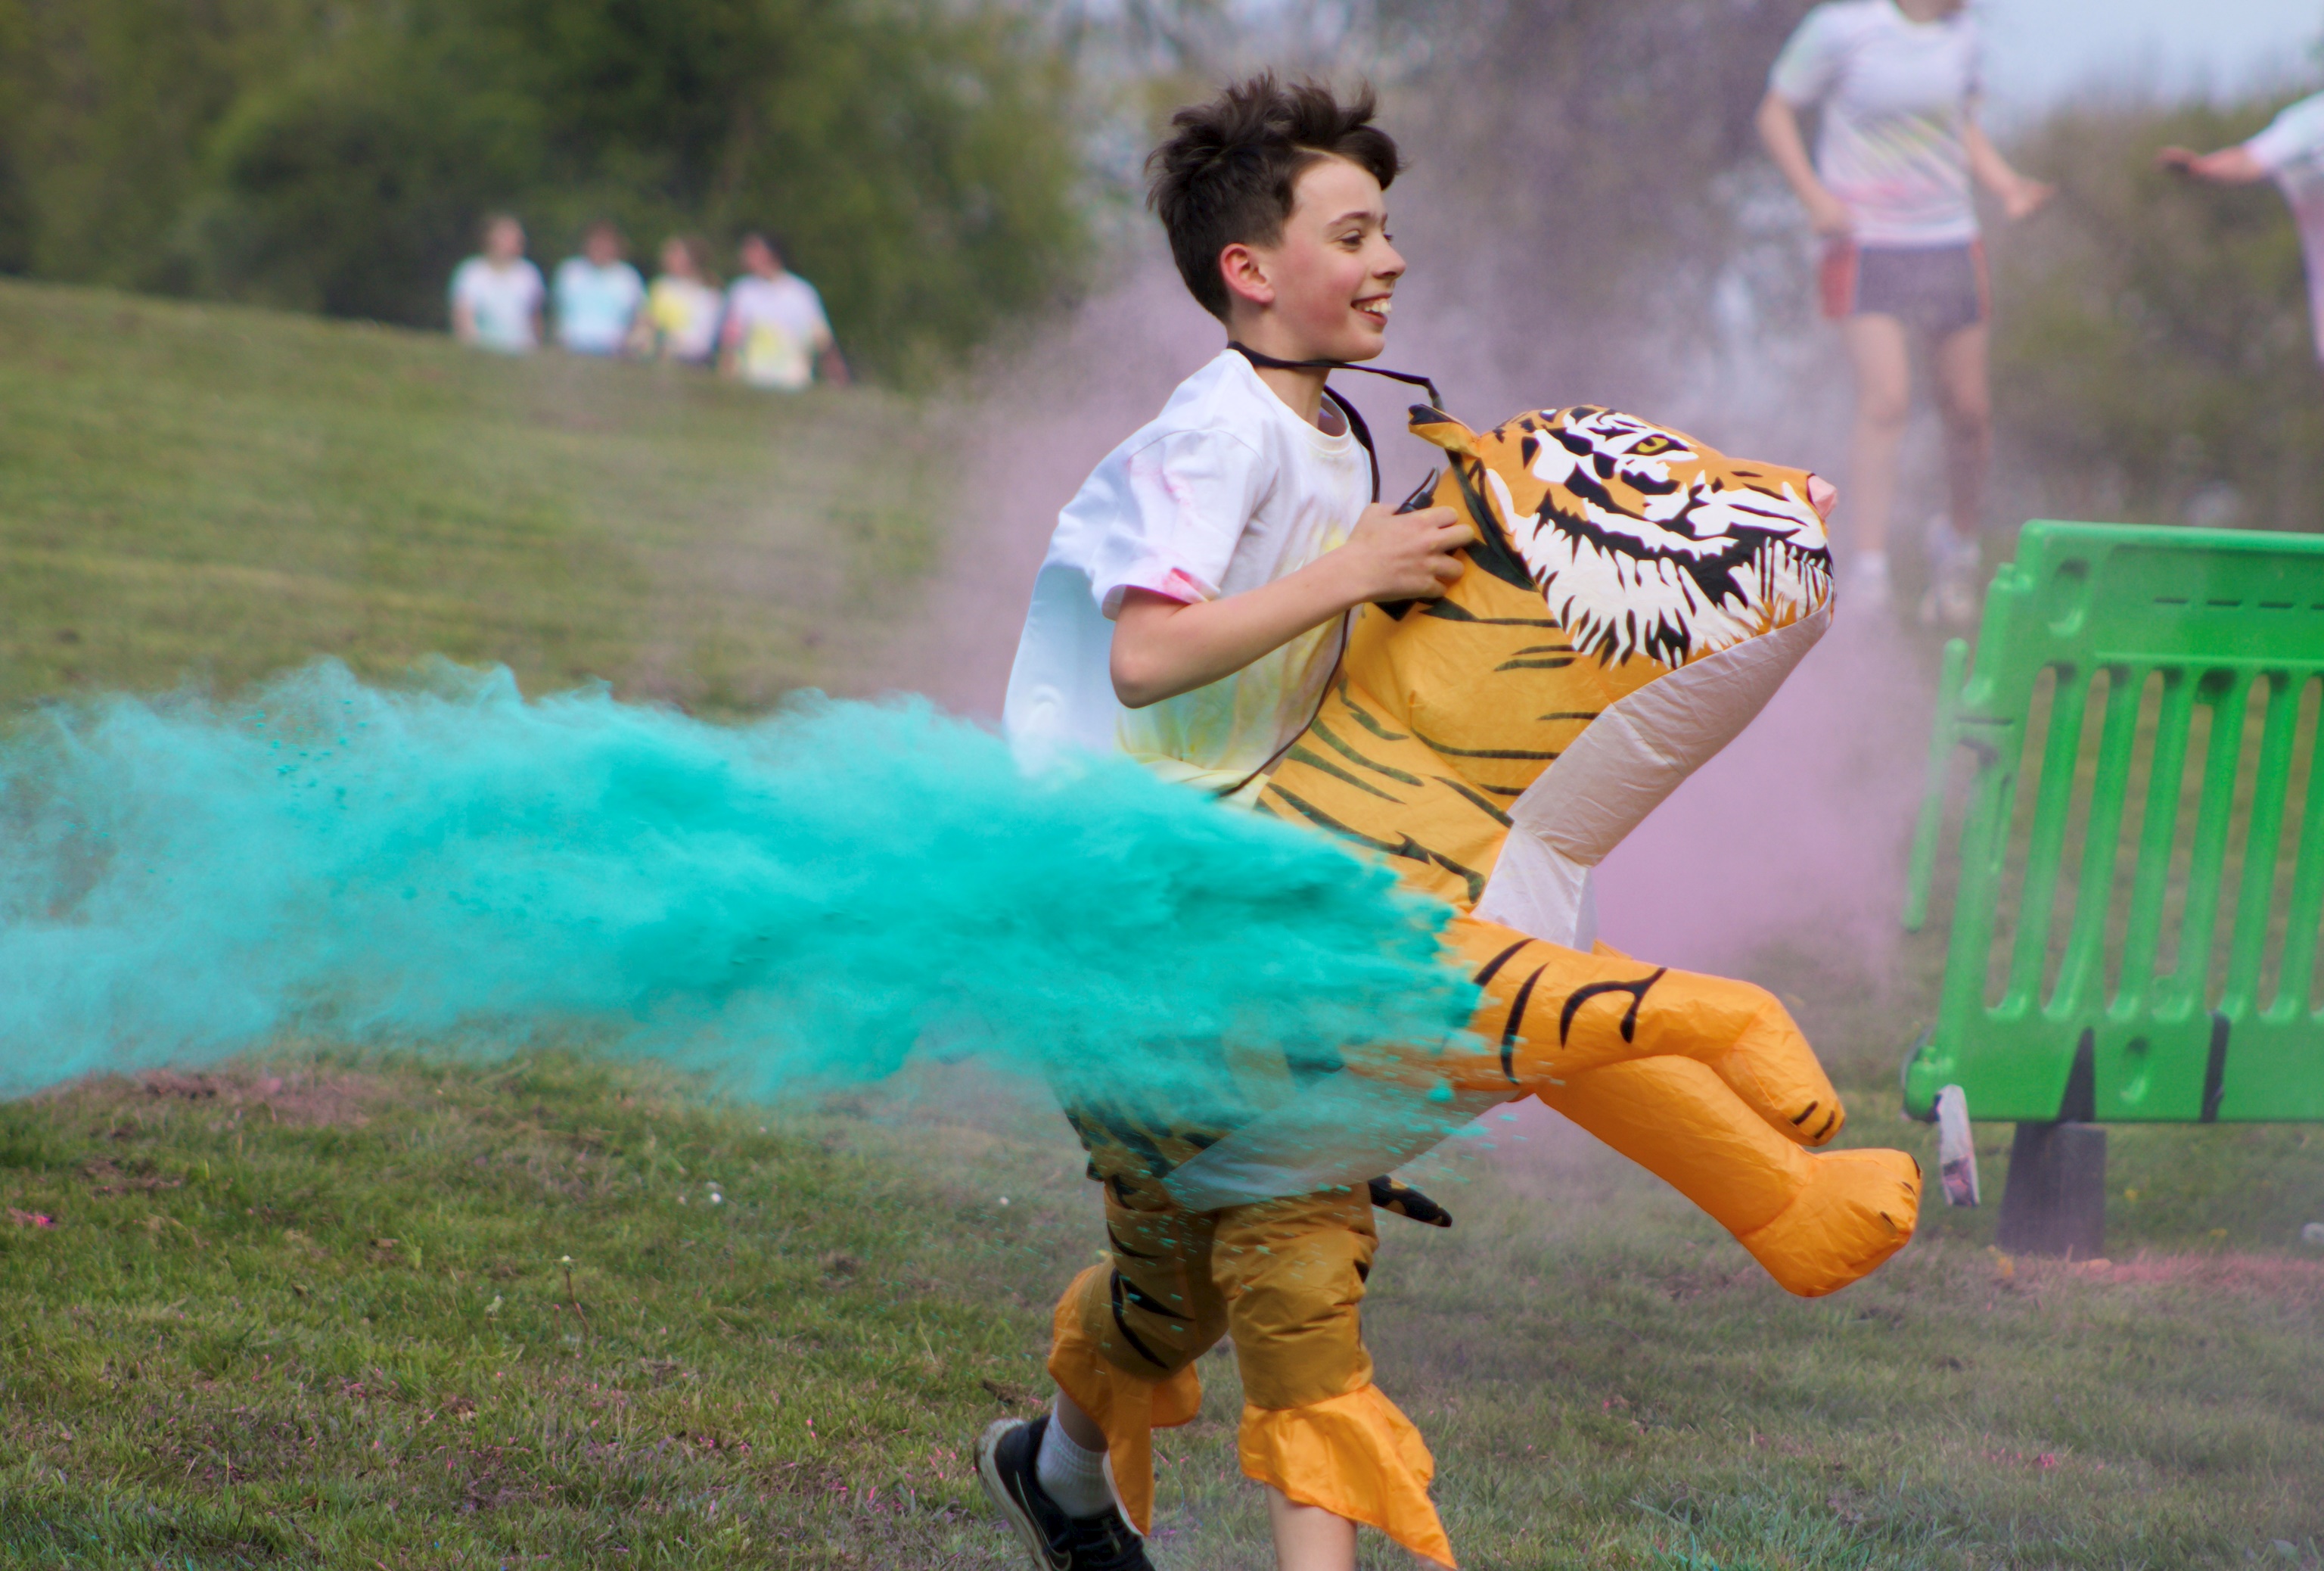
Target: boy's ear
{"x":1244,"y":272}
{"x":1433,"y":425}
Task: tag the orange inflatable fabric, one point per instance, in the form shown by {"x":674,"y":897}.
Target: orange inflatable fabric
{"x":1632,"y":600}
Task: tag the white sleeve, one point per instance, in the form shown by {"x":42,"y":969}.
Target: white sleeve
{"x":463,"y":284}
{"x":1809,"y":65}
{"x":2296,"y":133}
{"x":1180,"y":511}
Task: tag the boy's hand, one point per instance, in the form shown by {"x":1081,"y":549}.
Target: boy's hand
{"x":1404,"y":556}
{"x":1162,"y":647}
{"x":2025,"y":198}
{"x":1828,"y":216}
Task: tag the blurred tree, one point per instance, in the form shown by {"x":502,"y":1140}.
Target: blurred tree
{"x":1581,"y":160}
{"x":920,"y":158}
{"x":2152,"y":356}
{"x":104,"y":105}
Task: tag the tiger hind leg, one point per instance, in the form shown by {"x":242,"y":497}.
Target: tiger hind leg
{"x":1815,"y":1222}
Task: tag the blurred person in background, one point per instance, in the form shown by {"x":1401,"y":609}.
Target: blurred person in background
{"x":2291,"y":153}
{"x":684,"y":307}
{"x":1898,"y":84}
{"x":496,"y":296}
{"x":597,"y":294}
{"x":776,"y":333}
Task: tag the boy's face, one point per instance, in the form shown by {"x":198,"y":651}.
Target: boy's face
{"x":1325,"y":284}
{"x":505,"y":241}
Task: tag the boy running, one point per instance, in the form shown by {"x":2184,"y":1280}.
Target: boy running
{"x":1188,"y":615}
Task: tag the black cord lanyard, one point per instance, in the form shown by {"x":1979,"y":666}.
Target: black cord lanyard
{"x":1356,"y":427}
{"x":1362,"y":433}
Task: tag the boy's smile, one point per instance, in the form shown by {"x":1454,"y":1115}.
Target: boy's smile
{"x":1323,"y":290}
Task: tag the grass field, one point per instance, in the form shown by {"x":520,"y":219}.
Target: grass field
{"x":346,"y":1311}
{"x":356,"y":1315}
{"x":209,"y":492}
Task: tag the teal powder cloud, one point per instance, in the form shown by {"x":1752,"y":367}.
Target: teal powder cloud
{"x":805,"y":901}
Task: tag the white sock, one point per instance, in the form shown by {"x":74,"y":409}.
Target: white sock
{"x":1071,"y":1474}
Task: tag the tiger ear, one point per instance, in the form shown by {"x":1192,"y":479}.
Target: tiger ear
{"x":1433,"y":425}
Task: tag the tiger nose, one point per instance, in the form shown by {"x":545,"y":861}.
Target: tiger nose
{"x":1821,"y":495}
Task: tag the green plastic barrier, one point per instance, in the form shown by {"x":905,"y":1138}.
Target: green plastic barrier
{"x":2142,"y":999}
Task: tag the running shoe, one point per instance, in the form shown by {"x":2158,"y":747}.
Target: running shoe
{"x":1956,"y":579}
{"x":1864,"y":586}
{"x":1005,"y":1457}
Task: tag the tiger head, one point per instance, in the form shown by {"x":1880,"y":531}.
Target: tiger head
{"x":1643,"y":540}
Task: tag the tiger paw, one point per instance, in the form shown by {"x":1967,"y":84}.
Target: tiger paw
{"x":1856,"y":1208}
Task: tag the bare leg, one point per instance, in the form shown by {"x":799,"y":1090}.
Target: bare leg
{"x":1966,"y":399}
{"x":1878,"y":349}
{"x":1079,"y":1426}
{"x":1308,"y":1537}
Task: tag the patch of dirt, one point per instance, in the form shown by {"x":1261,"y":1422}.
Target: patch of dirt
{"x":303,"y":1098}
{"x":1690,"y":1282}
{"x":107,"y":1178}
{"x":2258,"y":1276}
{"x":661,"y":1371}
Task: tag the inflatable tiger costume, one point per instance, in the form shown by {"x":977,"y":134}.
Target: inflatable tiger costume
{"x":1632,"y":600}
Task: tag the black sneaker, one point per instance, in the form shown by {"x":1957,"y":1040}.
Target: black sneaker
{"x":1005,"y":1455}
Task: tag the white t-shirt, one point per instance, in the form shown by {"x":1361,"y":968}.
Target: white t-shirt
{"x":686,"y":312}
{"x":2291,"y":149}
{"x":1897,"y":97}
{"x":782,"y":328}
{"x":1226,"y":490}
{"x":501,"y":300}
{"x":595,"y":305}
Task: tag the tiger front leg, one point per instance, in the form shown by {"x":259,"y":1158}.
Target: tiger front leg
{"x":1816,"y":1221}
{"x":1550,"y":1013}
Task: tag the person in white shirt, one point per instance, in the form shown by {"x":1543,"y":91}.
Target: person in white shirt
{"x":496,"y":296}
{"x":2291,"y":153}
{"x":1898,"y":83}
{"x":684,"y":307}
{"x":597,"y":295}
{"x":776,"y":334}
{"x":1189,"y":614}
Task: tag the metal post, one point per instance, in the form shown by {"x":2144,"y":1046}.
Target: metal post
{"x":2054,"y":1201}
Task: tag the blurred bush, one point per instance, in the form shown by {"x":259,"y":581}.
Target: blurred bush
{"x":918,"y":157}
{"x":1582,"y":175}
{"x":2153,"y":361}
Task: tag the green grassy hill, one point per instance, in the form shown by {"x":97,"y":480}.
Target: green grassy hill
{"x":375,"y":1314}
{"x":396,"y":1314}
{"x":197,"y":490}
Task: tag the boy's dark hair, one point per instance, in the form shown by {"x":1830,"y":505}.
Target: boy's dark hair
{"x":1225,"y":176}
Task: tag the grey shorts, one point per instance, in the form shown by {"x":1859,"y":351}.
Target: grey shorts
{"x":1936,"y":289}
